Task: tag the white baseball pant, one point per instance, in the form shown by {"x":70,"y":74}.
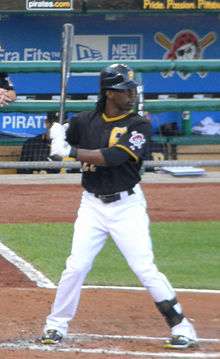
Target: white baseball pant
{"x":127,"y":222}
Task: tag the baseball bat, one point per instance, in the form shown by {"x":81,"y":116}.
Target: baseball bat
{"x":163,"y":40}
{"x":66,"y":58}
{"x":207,"y":40}
{"x":140,"y":100}
{"x":140,"y":94}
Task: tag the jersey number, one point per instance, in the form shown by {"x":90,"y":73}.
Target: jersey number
{"x":86,"y":167}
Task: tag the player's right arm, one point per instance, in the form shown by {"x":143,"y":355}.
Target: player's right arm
{"x":130,"y":146}
{"x":7,"y":92}
{"x":64,"y":144}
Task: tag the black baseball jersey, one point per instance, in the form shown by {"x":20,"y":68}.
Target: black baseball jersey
{"x":5,"y":82}
{"x":123,"y":141}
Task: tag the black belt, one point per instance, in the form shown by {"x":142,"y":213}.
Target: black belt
{"x":109,"y":198}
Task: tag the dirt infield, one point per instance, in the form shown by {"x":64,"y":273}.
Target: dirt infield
{"x":59,"y":202}
{"x":24,"y":307}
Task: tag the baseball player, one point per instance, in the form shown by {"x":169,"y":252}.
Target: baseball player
{"x":7,"y":92}
{"x":111,"y":143}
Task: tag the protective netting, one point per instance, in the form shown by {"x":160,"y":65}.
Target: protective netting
{"x":26,"y":156}
{"x":75,"y":165}
{"x":174,"y":143}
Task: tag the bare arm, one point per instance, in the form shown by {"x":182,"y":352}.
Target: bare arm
{"x":90,"y":156}
{"x":109,"y":156}
{"x":100,"y":157}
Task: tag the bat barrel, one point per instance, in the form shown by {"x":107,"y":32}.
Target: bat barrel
{"x":66,"y":58}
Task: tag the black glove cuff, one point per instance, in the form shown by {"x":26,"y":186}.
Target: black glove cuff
{"x":55,"y":158}
{"x":73,"y":152}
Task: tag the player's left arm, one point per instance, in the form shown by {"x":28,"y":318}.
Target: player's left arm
{"x":133,"y":145}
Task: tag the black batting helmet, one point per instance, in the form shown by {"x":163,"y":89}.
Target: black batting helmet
{"x":117,"y":77}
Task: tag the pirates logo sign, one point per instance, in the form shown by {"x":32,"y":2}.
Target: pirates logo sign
{"x":186,"y":45}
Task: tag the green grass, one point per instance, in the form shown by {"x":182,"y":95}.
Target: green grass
{"x":188,"y":253}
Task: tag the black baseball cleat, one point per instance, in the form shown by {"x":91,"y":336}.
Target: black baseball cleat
{"x":180,"y":342}
{"x":51,"y":336}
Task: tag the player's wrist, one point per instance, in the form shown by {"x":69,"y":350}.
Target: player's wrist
{"x":73,"y":152}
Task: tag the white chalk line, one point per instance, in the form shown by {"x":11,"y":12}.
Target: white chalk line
{"x":42,"y":281}
{"x":25,"y":267}
{"x":209,"y":291}
{"x":22,"y":345}
{"x":131,"y":337}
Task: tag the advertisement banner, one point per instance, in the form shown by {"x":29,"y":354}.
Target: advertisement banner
{"x":128,"y":47}
{"x":108,"y":47}
{"x":22,"y":124}
{"x":98,"y":38}
{"x":57,"y":5}
{"x":38,"y":38}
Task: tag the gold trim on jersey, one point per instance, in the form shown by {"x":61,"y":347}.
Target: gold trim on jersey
{"x":116,"y":118}
{"x":128,"y":151}
{"x":116,"y":132}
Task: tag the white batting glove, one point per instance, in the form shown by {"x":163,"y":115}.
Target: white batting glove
{"x":59,"y":145}
{"x":57,"y":131}
{"x":59,"y":148}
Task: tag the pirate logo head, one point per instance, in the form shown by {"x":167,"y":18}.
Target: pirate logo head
{"x":186,"y":45}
